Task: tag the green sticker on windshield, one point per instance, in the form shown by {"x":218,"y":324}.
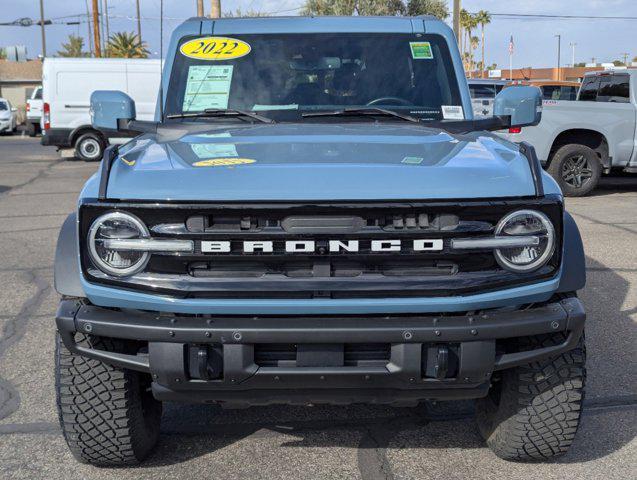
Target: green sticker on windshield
{"x":421,"y":50}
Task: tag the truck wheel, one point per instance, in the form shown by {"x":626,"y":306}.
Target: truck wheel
{"x":576,"y":168}
{"x":532,"y":412}
{"x":89,"y":147}
{"x":108,"y":415}
{"x":32,"y":131}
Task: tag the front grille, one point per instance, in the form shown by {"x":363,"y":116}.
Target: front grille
{"x":322,"y":273}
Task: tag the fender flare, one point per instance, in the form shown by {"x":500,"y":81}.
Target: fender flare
{"x":573,"y":258}
{"x":66,"y":270}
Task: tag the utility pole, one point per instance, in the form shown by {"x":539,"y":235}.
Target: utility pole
{"x":559,"y":51}
{"x":88,"y":24}
{"x":139,"y":22}
{"x":215,"y":8}
{"x":96,"y":29}
{"x":456,"y":18}
{"x":108,"y":31}
{"x":573,"y":44}
{"x":42,"y":28}
{"x":200,"y":8}
{"x":625,"y":55}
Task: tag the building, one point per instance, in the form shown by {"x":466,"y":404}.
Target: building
{"x":571,"y":74}
{"x":17,"y":81}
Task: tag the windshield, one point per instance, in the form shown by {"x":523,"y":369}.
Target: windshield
{"x":285,"y":75}
{"x":3,"y":106}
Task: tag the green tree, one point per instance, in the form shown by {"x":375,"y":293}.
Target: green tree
{"x":483,"y":18}
{"x":437,"y":8}
{"x":354,"y":7}
{"x":580,"y":64}
{"x":240,"y":13}
{"x":73,"y":47}
{"x":618,"y":63}
{"x":3,"y":54}
{"x":126,"y":45}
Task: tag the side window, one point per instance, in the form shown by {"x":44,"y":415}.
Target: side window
{"x":569,"y":93}
{"x":550,"y":92}
{"x":588,"y":90}
{"x":498,"y":88}
{"x":482,"y":91}
{"x":605,"y":88}
{"x":619,"y":90}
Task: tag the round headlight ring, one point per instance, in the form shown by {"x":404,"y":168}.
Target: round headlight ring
{"x":99,"y":262}
{"x":539,"y":261}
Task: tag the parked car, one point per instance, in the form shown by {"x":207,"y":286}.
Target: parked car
{"x":579,"y":141}
{"x":557,"y":90}
{"x":310,"y":219}
{"x":483,"y":92}
{"x":68,"y":84}
{"x":34,"y":112}
{"x":553,"y":89}
{"x":8,"y":117}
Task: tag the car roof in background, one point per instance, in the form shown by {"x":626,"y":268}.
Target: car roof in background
{"x":629,"y":71}
{"x":486,"y":81}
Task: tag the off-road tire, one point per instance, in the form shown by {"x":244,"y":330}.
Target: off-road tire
{"x":532,"y":412}
{"x":89,"y":147}
{"x":108,"y":416}
{"x":566,"y":152}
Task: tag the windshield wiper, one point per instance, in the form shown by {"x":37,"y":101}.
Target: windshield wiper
{"x":366,"y":111}
{"x":228,"y":112}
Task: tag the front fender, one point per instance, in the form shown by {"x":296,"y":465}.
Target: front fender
{"x":573,"y":259}
{"x":66,"y":271}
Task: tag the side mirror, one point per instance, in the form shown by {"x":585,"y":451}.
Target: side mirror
{"x":523,"y":104}
{"x":109,"y":106}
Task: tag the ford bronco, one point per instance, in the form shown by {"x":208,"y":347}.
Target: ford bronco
{"x":314,"y":217}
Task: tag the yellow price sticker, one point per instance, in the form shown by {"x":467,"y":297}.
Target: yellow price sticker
{"x":215,"y":48}
{"x":223,"y":162}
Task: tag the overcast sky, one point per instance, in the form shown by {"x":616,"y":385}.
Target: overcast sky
{"x":535,"y":42}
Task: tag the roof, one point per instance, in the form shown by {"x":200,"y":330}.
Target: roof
{"x":487,"y":81}
{"x":318,"y":24}
{"x":30,"y":71}
{"x":629,"y":71}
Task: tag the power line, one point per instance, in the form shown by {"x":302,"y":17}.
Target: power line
{"x":563,"y":17}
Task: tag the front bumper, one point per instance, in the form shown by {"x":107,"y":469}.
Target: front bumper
{"x":406,"y":377}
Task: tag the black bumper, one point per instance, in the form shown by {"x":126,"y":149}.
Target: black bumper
{"x":56,"y":137}
{"x":407,"y":375}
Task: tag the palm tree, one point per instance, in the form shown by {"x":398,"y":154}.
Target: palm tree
{"x":483,"y":18}
{"x":73,"y":48}
{"x":465,"y":20}
{"x":474,"y":42}
{"x":126,"y":45}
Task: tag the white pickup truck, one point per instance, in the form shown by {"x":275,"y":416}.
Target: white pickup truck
{"x":578,"y":141}
{"x":34,"y":111}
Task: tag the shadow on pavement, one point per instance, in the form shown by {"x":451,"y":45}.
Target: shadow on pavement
{"x":190,"y":431}
{"x":615,"y":183}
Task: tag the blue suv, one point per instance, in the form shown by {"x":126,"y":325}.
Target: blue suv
{"x":315,"y":216}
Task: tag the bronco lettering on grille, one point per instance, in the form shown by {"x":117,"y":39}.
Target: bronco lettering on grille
{"x":333,"y":246}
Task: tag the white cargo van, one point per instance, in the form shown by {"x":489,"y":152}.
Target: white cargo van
{"x":67,"y":87}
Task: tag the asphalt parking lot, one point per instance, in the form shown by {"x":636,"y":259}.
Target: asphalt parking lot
{"x":38,"y":190}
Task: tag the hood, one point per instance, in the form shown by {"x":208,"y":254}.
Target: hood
{"x":295,"y":162}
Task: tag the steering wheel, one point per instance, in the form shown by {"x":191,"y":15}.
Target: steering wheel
{"x":382,"y":100}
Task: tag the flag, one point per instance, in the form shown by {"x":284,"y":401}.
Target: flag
{"x":511,"y":46}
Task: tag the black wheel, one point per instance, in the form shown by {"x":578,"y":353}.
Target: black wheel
{"x":576,"y":168}
{"x":31,"y":129}
{"x":108,"y":415}
{"x":89,"y":147}
{"x":532,"y":412}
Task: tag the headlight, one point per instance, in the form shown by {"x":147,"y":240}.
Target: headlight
{"x":117,"y":226}
{"x":532,"y":225}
